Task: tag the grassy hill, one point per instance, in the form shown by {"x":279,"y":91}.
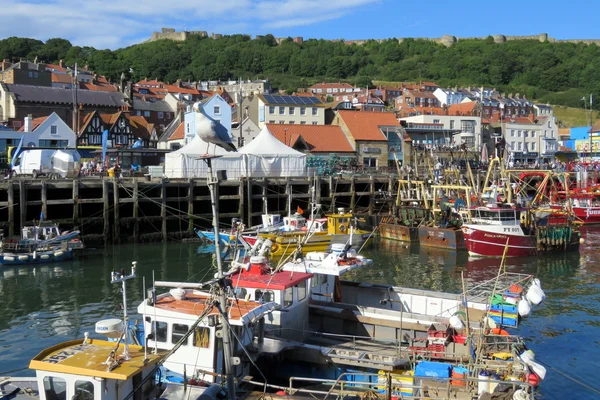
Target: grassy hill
{"x":570,"y":117}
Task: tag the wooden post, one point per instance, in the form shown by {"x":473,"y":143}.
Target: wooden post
{"x":106,"y":210}
{"x":190,"y":209}
{"x":163,"y":209}
{"x":136,"y":206}
{"x":318,"y":189}
{"x":11,"y":209}
{"x":22,"y":203}
{"x":44,"y":196}
{"x":332,"y":194}
{"x":353,"y":196}
{"x":371,"y":195}
{"x":249,"y":205}
{"x":75,"y":202}
{"x":241,"y":210}
{"x":289,"y":197}
{"x":117,"y":220}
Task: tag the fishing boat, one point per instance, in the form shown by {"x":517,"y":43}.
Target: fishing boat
{"x":40,"y":243}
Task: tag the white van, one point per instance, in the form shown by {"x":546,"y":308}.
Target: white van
{"x":56,"y":163}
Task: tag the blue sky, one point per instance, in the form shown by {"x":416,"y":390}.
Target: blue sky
{"x":113,"y":24}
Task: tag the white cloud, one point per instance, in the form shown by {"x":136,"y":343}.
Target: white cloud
{"x":112,"y":24}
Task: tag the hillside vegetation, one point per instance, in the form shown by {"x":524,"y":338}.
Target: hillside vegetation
{"x":556,"y":73}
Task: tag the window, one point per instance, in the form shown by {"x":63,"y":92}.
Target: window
{"x":291,"y":110}
{"x":30,"y":74}
{"x":512,"y":145}
{"x":161,"y":114}
{"x":94,"y":139}
{"x":160,"y":335}
{"x":240,"y":293}
{"x":202,"y":337}
{"x":519,"y":146}
{"x":302,"y":122}
{"x":314,"y":123}
{"x":271,"y":110}
{"x":532,"y":134}
{"x":436,"y":121}
{"x":519,"y":133}
{"x":53,"y":130}
{"x":301,"y":291}
{"x":281,"y":110}
{"x":288,"y":297}
{"x":370,"y":162}
{"x":302,"y":110}
{"x":167,"y":115}
{"x":467,"y":126}
{"x":217,"y":110}
{"x":319,"y":90}
{"x":121,"y":139}
{"x":266,"y":296}
{"x":271,"y":121}
{"x":35,"y":74}
{"x":315,"y":111}
{"x":525,"y":134}
{"x":292,"y":122}
{"x":84,"y":390}
{"x":452,"y":124}
{"x":532,"y":146}
{"x":281,"y":121}
{"x":179,"y":331}
{"x":512,"y":133}
{"x":487,"y":111}
{"x":55,"y":388}
{"x":146,"y":113}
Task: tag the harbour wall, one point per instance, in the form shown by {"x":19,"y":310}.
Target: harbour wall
{"x":131,"y":209}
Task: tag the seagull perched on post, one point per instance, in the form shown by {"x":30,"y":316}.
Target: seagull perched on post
{"x":207,"y":130}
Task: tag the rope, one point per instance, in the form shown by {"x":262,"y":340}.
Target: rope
{"x":570,"y":377}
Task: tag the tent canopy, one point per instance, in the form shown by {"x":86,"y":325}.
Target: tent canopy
{"x":267,"y":144}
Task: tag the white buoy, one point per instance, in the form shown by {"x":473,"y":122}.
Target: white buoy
{"x":524,"y":308}
{"x":520,"y":395}
{"x":535,"y":295}
{"x":456,"y":323}
{"x":23,"y":258}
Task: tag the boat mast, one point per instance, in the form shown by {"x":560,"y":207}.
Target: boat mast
{"x":120,"y":277}
{"x":213,"y":184}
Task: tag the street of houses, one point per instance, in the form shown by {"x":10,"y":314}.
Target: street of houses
{"x":60,"y":106}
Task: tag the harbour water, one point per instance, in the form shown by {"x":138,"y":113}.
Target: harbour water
{"x":43,"y":305}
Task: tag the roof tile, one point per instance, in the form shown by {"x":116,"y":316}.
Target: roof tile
{"x":364,"y":125}
{"x":320,"y":138}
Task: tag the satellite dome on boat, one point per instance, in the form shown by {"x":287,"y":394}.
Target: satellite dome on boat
{"x":111,"y":328}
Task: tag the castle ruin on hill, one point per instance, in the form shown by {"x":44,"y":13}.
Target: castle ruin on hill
{"x":446,"y":40}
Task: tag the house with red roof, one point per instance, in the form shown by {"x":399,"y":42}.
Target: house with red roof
{"x":375,"y":136}
{"x":313,"y":139}
{"x":123,"y":128}
{"x":49,"y":131}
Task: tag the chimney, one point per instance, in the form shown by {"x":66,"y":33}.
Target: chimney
{"x":28,"y":123}
{"x":6,"y":63}
{"x":178,"y":82}
{"x":61,"y":63}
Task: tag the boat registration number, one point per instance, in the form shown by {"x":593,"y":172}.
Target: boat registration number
{"x":64,"y":354}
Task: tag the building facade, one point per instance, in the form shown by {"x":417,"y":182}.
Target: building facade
{"x":457,"y":129}
{"x":274,"y":109}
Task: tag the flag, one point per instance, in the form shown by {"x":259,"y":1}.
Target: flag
{"x":104,"y":144}
{"x":16,"y":153}
{"x":299,"y":210}
{"x":138,"y":144}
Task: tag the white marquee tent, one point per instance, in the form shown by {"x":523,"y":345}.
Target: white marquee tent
{"x":265,"y":156}
{"x":184,"y":163}
{"x":268,"y":157}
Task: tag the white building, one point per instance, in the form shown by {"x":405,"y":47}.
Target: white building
{"x":468,"y":127}
{"x":49,"y":131}
{"x":449,"y":96}
{"x":532,"y":139}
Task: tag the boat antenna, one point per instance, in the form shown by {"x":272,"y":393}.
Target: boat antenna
{"x":120,"y":277}
{"x":144,"y":295}
{"x":154,"y":323}
{"x":213,"y":186}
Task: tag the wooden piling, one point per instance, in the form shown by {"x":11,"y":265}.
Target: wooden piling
{"x":190,"y":210}
{"x":75,"y":195}
{"x":22,"y":203}
{"x":44,"y":196}
{"x":106,"y":210}
{"x":249,"y":203}
{"x":241,"y":209}
{"x":117,"y":220}
{"x":332,"y":194}
{"x":163,"y":209}
{"x":136,"y":206}
{"x":371,"y":194}
{"x":11,"y":209}
{"x":289,"y":197}
{"x":353,"y":191}
{"x":318,"y":189}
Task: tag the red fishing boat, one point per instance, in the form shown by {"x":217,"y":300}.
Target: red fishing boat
{"x":526,"y":232}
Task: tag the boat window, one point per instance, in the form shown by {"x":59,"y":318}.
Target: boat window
{"x":314,"y":282}
{"x":240,"y":293}
{"x":507,"y":215}
{"x":288,"y":298}
{"x":202,"y":337}
{"x":161,"y":331}
{"x":179,"y":331}
{"x":84,"y":390}
{"x":264,"y":295}
{"x":301,"y":290}
{"x":55,"y":388}
{"x":343,"y":220}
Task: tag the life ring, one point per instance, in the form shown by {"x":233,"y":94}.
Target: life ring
{"x":274,"y":248}
{"x":343,"y":228}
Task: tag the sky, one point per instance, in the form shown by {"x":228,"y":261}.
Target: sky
{"x":114,"y":24}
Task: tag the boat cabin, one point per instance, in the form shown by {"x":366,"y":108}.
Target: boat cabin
{"x":41,"y":232}
{"x":270,"y":221}
{"x":496,"y":216}
{"x":317,"y":225}
{"x":339,"y":223}
{"x":174,"y":313}
{"x":294,"y":222}
{"x":92,"y":369}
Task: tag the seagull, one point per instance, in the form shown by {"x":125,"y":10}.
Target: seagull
{"x":207,"y":130}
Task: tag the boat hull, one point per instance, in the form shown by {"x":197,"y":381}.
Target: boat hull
{"x":399,"y":232}
{"x":492,"y":244}
{"x":43,"y":257}
{"x":443,"y":238}
{"x":588,"y":215}
{"x":225,"y":239}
